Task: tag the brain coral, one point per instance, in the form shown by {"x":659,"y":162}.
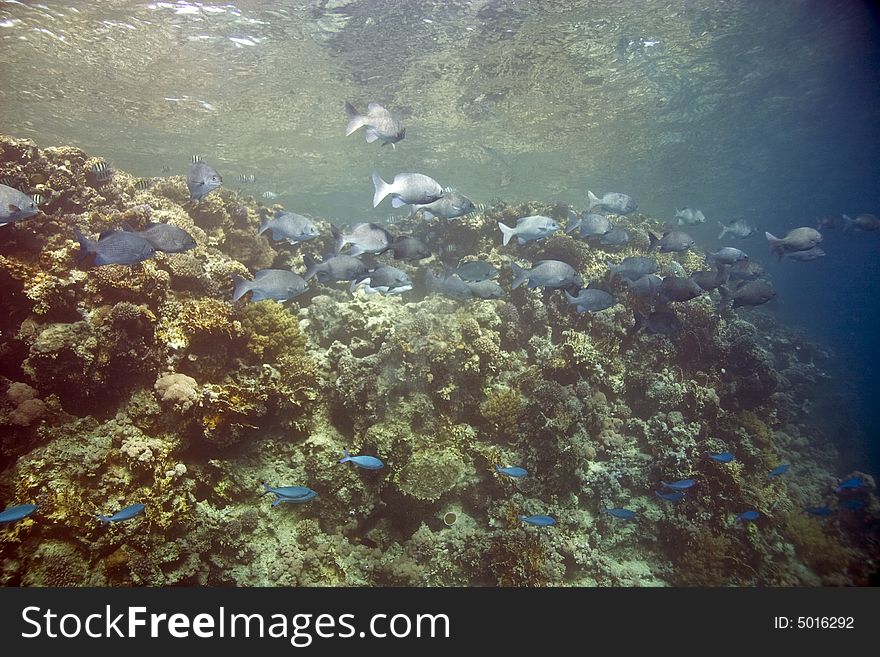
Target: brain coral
{"x":431,"y":473}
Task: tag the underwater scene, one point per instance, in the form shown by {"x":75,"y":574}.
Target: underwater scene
{"x":422,"y":293}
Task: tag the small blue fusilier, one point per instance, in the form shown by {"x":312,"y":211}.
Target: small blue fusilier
{"x":290,"y":494}
{"x":16,"y":513}
{"x":539,"y":521}
{"x":126,"y":514}
{"x":366,"y":462}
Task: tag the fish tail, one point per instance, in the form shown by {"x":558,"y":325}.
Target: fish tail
{"x":105,"y":520}
{"x":507,"y":232}
{"x":847,"y":221}
{"x":772,"y":238}
{"x":311,"y":266}
{"x":345,"y":456}
{"x":724,"y":230}
{"x":338,"y":240}
{"x":653,"y":240}
{"x":241,"y":287}
{"x":520,"y":275}
{"x":355,"y":119}
{"x":638,"y":323}
{"x":382,"y":189}
{"x":569,"y":297}
{"x":86,"y":246}
{"x":264,"y":224}
{"x":594,"y":200}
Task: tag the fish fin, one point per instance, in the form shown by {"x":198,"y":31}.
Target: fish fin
{"x":371,"y":134}
{"x":772,"y":238}
{"x":241,"y":287}
{"x":507,"y":232}
{"x":355,"y":251}
{"x":278,"y":501}
{"x":258,"y":295}
{"x":338,"y":240}
{"x":568,"y":297}
{"x":355,"y":119}
{"x":105,"y":520}
{"x":397,"y":202}
{"x":345,"y":456}
{"x":85,"y":245}
{"x":724,"y":230}
{"x":653,"y":240}
{"x":311,"y":266}
{"x":847,"y":221}
{"x":264,"y":226}
{"x":593,"y":199}
{"x":382,"y":189}
{"x":519,"y":275}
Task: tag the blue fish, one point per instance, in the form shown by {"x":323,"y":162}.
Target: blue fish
{"x":675,"y":496}
{"x":623,"y":514}
{"x":748,"y":516}
{"x":855,"y":505}
{"x":512,"y":471}
{"x":723,"y":457}
{"x":290,"y":494}
{"x":851,"y":483}
{"x":540,"y":521}
{"x":778,"y":470}
{"x":819,"y":511}
{"x":366,"y":462}
{"x":126,"y":514}
{"x":16,"y":513}
{"x":682,"y":484}
{"x":114,"y":248}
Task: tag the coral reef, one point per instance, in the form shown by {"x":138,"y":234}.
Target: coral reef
{"x":145,"y":383}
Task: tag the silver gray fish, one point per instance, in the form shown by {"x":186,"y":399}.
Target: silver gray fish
{"x":748,"y":293}
{"x":289,"y":226}
{"x":646,"y":286}
{"x":449,"y":285}
{"x":449,"y":206}
{"x":15,"y":205}
{"x":613,"y":202}
{"x":476,"y":271}
{"x":407,"y":247}
{"x":746,"y":270}
{"x":167,"y":238}
{"x":676,"y":288}
{"x":380,"y":123}
{"x":634,"y":267}
{"x":865,"y":222}
{"x":535,"y":227}
{"x":201,"y":180}
{"x":797,"y":239}
{"x":662,"y":322}
{"x":727,"y":256}
{"x":405,"y":189}
{"x":337,"y":268}
{"x":738,"y":228}
{"x":806,"y":256}
{"x":114,"y":248}
{"x":486,"y":289}
{"x":673,"y":241}
{"x":385,"y":279}
{"x":710,"y":280}
{"x":617,"y":236}
{"x":689,"y":217}
{"x":277,"y":284}
{"x":589,"y":223}
{"x":590,"y":300}
{"x":363,"y":237}
{"x":546,"y":273}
